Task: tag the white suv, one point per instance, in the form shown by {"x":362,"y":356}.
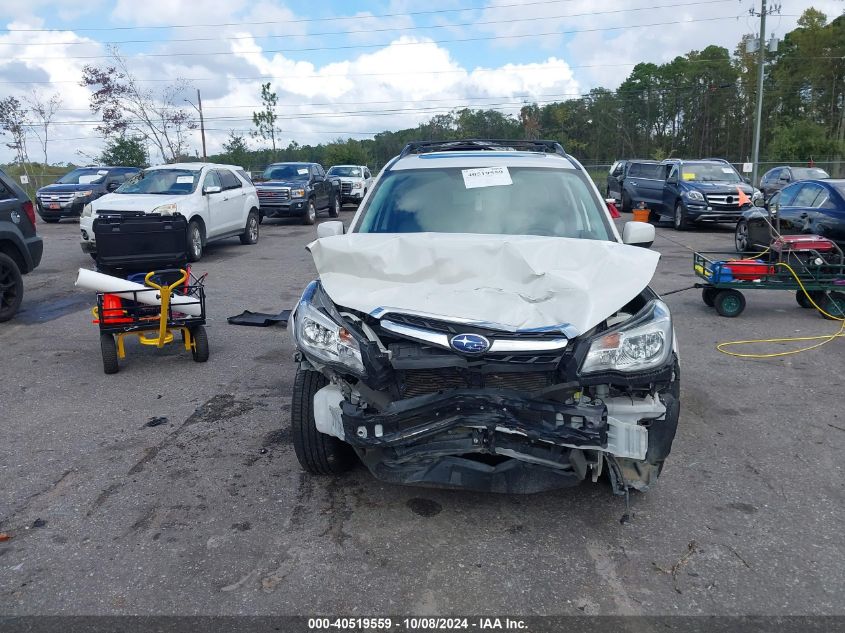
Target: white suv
{"x":219,"y":201}
{"x":355,"y":181}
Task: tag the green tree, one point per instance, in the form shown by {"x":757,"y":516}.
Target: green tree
{"x":802,"y":141}
{"x":126,"y":151}
{"x":265,"y":119}
{"x":236,"y":151}
{"x":349,"y":152}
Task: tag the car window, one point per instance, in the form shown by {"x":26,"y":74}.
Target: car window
{"x":84,"y":176}
{"x":552,"y":202}
{"x":807,"y":195}
{"x":809,"y":173}
{"x":367,"y":174}
{"x":228,"y":179}
{"x":645,"y":170}
{"x":5,"y":194}
{"x":295,"y":171}
{"x":787,"y":195}
{"x":212,"y":179}
{"x":709,"y":172}
{"x":180,"y":182}
{"x":244,"y":175}
{"x":345,"y":171}
{"x":673,"y":174}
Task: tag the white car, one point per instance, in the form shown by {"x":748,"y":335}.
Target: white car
{"x":355,"y":181}
{"x":219,"y":201}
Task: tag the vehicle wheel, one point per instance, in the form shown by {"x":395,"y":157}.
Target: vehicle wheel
{"x":741,"y":237}
{"x":194,"y":241}
{"x":51,"y":220}
{"x":318,"y":453}
{"x":310,"y":213}
{"x":11,"y":287}
{"x":803,"y":300}
{"x":250,"y":234}
{"x":334,"y":209}
{"x":834,"y":304}
{"x":200,"y":347}
{"x":109,"y":350}
{"x":708,"y":295}
{"x":729,"y":303}
{"x":261,"y":217}
{"x":626,"y":203}
{"x":679,"y":219}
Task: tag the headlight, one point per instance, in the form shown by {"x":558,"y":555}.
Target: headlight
{"x":83,"y":194}
{"x":695,"y":195}
{"x":757,"y":198}
{"x":297,"y":193}
{"x":357,"y":185}
{"x":643,"y":342}
{"x":319,"y":336}
{"x":87,"y":210}
{"x":166,"y":209}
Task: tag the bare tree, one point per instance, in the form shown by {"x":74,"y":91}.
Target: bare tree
{"x":43,"y":111}
{"x":127,"y":107}
{"x":14,"y":122}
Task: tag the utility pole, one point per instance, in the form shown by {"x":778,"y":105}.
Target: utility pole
{"x":198,"y":108}
{"x":761,"y":63}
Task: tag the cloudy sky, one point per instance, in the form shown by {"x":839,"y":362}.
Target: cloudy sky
{"x":352,"y":69}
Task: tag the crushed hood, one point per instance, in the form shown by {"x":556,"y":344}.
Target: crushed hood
{"x":505,"y":281}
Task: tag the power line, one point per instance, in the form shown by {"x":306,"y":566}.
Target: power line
{"x":386,"y":44}
{"x":381,"y":30}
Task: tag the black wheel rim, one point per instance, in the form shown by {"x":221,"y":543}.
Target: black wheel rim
{"x":8,"y":286}
{"x":730,"y":304}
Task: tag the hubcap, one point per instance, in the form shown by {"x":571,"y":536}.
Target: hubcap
{"x":731,"y":304}
{"x":741,"y":237}
{"x":253,"y":229}
{"x":312,"y":211}
{"x":196,"y":241}
{"x":678,"y":215}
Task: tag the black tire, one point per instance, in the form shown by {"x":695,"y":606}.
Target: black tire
{"x":317,"y":453}
{"x":250,"y":234}
{"x":679,"y":217}
{"x":199,"y":350}
{"x":626,"y":203}
{"x":260,"y":217}
{"x":834,"y":304}
{"x":729,"y":303}
{"x":708,"y":295}
{"x":310,"y":213}
{"x":11,"y":287}
{"x":195,"y":241}
{"x":803,"y":300}
{"x":51,"y":220}
{"x":741,"y":237}
{"x":108,"y":348}
{"x":334,"y":207}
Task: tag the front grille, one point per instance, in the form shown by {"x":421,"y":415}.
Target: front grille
{"x":346,"y":187}
{"x":723,"y":201}
{"x":62,"y":197}
{"x":450,"y":328}
{"x":273,"y":195}
{"x":419,"y":382}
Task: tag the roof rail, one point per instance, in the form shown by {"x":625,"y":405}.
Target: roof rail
{"x":478,"y":144}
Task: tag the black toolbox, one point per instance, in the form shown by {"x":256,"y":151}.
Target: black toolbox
{"x":129,"y":244}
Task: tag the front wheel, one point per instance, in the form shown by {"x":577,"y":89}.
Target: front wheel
{"x":199,"y":348}
{"x":317,"y":453}
{"x":741,"y":237}
{"x":729,"y":303}
{"x":250,"y":234}
{"x":679,"y":219}
{"x":194,"y":241}
{"x":310,"y":213}
{"x":108,"y":348}
{"x":11,"y":287}
{"x":334,"y":209}
{"x":708,"y":295}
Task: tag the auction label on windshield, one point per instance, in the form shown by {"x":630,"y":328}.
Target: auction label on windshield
{"x":486,"y":177}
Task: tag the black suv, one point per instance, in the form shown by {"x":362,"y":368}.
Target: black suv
{"x":297,"y":190}
{"x":20,"y":247}
{"x":66,"y":197}
{"x":778,"y":177}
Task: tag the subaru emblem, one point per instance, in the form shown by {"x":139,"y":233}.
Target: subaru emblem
{"x":470,"y":343}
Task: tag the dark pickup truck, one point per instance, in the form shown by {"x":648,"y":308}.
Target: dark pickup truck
{"x":297,"y":190}
{"x":66,"y":197}
{"x":20,"y":247}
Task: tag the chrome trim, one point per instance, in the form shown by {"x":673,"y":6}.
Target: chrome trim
{"x":527,"y":345}
{"x":564,"y":328}
{"x":418,"y":334}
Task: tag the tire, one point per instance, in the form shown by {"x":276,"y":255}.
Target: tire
{"x":741,"y":237}
{"x":250,"y":234}
{"x":626,"y":203}
{"x":679,"y":218}
{"x":729,"y":303}
{"x":317,"y":453}
{"x":310,"y":213}
{"x":834,"y":304}
{"x":195,"y":241}
{"x":334,"y":209}
{"x":260,"y":217}
{"x":108,"y":348}
{"x":199,"y":350}
{"x":708,"y":295}
{"x":11,"y":287}
{"x":803,"y":300}
{"x":51,"y":220}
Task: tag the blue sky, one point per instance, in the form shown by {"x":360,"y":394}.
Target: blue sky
{"x":344,"y":68}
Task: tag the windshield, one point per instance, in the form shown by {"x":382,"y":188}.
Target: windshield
{"x":286,"y":172}
{"x":511,"y":201}
{"x":806,"y":173}
{"x":85,"y":176}
{"x":709,"y":172}
{"x":348,"y":172}
{"x":171,"y":182}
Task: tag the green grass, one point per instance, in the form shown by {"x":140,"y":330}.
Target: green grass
{"x":38,"y":175}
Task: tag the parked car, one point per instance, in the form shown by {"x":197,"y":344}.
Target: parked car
{"x":66,"y":197}
{"x":20,"y":247}
{"x":778,"y":177}
{"x":619,"y":172}
{"x":519,"y":350}
{"x":815,"y":207}
{"x":708,"y":190}
{"x":219,"y":201}
{"x":298,"y":190}
{"x":355,"y":181}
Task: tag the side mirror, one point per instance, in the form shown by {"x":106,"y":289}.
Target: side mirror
{"x":211,"y":189}
{"x":746,"y":180}
{"x":112,"y":186}
{"x":638,"y":234}
{"x":328,"y":229}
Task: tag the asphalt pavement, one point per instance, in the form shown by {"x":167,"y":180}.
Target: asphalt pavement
{"x":208,"y":511}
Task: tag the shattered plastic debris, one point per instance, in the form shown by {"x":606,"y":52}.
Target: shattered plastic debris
{"x":39,"y":523}
{"x":157,"y":421}
{"x":4,"y":537}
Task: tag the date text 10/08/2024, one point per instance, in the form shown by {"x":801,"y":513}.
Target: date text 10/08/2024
{"x":416,"y":624}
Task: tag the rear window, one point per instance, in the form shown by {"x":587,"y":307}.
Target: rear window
{"x":809,"y":173}
{"x":646,"y":170}
{"x":517,"y":201}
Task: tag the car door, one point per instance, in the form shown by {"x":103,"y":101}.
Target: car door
{"x":234,"y":213}
{"x":670,"y":191}
{"x":829,"y":217}
{"x":614,"y":180}
{"x":212,"y":193}
{"x":796,"y":217}
{"x":320,"y":185}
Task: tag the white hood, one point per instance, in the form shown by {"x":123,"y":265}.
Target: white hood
{"x":134,"y":201}
{"x":513,"y":282}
